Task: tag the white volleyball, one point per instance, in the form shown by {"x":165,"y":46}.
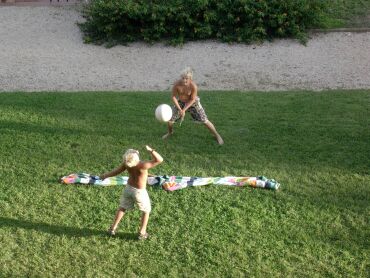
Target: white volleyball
{"x":163,"y":113}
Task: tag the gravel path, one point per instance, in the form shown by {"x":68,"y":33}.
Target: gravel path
{"x":41,"y":49}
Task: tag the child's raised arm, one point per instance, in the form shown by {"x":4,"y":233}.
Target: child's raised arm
{"x":156,"y":158}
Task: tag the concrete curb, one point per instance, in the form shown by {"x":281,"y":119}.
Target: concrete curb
{"x":338,"y":30}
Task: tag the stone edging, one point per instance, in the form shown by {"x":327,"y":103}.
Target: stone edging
{"x":353,"y":30}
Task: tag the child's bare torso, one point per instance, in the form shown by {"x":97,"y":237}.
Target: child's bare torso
{"x":184,"y":93}
{"x":137,"y":177}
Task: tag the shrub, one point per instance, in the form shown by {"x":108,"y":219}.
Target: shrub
{"x":178,"y":21}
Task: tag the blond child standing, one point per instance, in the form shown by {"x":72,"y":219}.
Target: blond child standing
{"x":135,"y":190}
{"x":185,"y":99}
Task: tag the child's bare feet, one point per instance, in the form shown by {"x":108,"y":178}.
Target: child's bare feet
{"x":143,"y":236}
{"x":220,"y":141}
{"x":111,"y":232}
{"x":164,"y":137}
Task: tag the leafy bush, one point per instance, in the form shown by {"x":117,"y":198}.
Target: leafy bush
{"x":178,"y":21}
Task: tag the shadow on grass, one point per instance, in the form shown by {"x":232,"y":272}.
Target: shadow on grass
{"x":57,"y":230}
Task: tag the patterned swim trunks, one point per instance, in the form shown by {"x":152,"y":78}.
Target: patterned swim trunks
{"x":196,"y":111}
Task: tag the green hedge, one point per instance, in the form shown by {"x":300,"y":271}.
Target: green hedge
{"x":178,"y":21}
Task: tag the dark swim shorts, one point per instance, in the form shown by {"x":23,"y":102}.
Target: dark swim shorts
{"x":196,"y":111}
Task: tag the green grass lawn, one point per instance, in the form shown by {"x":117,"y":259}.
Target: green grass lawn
{"x":348,"y":13}
{"x":316,"y":144}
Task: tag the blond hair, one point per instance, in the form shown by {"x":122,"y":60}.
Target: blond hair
{"x":187,"y":72}
{"x":131,"y":158}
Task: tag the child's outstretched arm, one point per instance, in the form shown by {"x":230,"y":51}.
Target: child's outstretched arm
{"x":114,"y":172}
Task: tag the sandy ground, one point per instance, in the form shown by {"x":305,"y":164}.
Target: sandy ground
{"x":41,"y":49}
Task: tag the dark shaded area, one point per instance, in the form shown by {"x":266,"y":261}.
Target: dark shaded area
{"x":59,"y":230}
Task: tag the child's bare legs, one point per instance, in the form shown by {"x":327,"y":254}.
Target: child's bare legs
{"x":208,"y":124}
{"x":144,"y":222}
{"x":119,"y":214}
{"x":213,"y":130}
{"x":170,"y":130}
